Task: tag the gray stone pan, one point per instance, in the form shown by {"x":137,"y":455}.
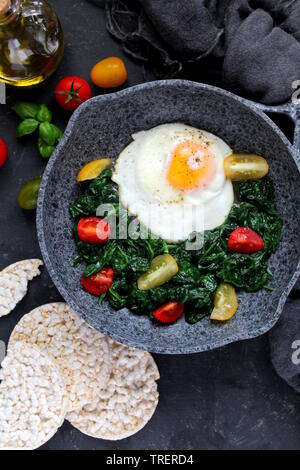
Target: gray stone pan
{"x":103,"y":126}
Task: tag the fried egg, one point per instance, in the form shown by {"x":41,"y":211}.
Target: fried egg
{"x":172,"y":178}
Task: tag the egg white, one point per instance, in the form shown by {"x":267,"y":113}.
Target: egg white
{"x":141,"y":173}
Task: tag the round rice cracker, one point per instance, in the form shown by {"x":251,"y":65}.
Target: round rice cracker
{"x":14,"y":283}
{"x":81,"y":352}
{"x":33,"y":400}
{"x":129,"y":400}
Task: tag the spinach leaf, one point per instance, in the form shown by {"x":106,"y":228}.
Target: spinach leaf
{"x":258,"y":192}
{"x":99,"y":191}
{"x":248,"y":272}
{"x":200,"y":271}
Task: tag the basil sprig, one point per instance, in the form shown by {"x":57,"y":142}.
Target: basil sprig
{"x":38,"y":117}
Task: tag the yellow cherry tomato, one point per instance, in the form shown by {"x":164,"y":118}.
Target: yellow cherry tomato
{"x":109,"y":73}
{"x":163,"y":268}
{"x":226,"y":303}
{"x":92,"y":169}
{"x":243,"y":166}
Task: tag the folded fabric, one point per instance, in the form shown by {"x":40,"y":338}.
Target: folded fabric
{"x":259,"y":40}
{"x":285,"y":344}
{"x":262,"y":50}
{"x":164,"y":34}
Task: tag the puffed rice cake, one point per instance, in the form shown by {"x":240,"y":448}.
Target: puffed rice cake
{"x":81,"y":352}
{"x":14,"y":282}
{"x":129,"y":400}
{"x":33,"y":400}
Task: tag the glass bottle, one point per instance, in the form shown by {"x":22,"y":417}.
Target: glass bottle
{"x":31,"y":42}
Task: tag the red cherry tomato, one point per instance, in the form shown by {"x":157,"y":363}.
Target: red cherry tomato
{"x":3,"y":152}
{"x":98,"y":283}
{"x":169,"y":313}
{"x":245,"y":240}
{"x":70,"y":92}
{"x":93,"y":230}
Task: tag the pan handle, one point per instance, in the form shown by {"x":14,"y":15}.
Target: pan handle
{"x":280,"y":109}
{"x":292,"y":110}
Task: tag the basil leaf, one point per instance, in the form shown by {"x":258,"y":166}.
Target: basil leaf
{"x":58,"y":132}
{"x":44,"y":114}
{"x":45,"y":149}
{"x":48,"y":133}
{"x":26,"y":110}
{"x":28,"y":126}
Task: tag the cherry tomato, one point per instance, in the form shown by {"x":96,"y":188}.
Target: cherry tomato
{"x":28,"y":194}
{"x":225,"y":303}
{"x":98,"y":283}
{"x":163,"y":268}
{"x":109,"y":73}
{"x":93,"y":169}
{"x":3,"y":152}
{"x":169,"y":313}
{"x":70,"y":92}
{"x":245,"y":240}
{"x":93,"y":230}
{"x":243,"y":166}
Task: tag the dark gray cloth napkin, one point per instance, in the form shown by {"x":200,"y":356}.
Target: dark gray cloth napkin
{"x":255,"y":44}
{"x":285,"y":344}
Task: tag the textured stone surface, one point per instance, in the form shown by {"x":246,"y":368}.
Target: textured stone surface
{"x":94,"y":130}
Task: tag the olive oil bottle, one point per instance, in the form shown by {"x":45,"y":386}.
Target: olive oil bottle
{"x":31,"y":42}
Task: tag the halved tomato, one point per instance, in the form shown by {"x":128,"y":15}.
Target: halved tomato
{"x":226,"y":303}
{"x":243,"y":166}
{"x":245,"y":240}
{"x":169,"y":313}
{"x":93,"y":230}
{"x":163,"y":268}
{"x":98,"y":283}
{"x":93,"y":169}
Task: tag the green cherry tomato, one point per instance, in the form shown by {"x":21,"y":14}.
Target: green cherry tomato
{"x":28,"y":194}
{"x":163,"y":268}
{"x":243,"y":166}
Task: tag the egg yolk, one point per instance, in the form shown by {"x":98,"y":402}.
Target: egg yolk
{"x":192,"y":166}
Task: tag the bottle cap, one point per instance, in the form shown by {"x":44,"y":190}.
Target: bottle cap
{"x":4,"y":6}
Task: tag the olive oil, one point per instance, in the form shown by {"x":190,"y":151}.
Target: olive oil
{"x":31,"y":42}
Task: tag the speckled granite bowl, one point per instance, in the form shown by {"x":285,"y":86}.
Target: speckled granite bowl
{"x":103,"y":126}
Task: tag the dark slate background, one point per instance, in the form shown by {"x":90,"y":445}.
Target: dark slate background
{"x":230,"y":398}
